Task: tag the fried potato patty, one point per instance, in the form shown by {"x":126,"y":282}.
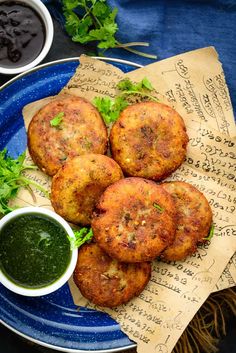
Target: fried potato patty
{"x":80,"y":131}
{"x":149,"y":140}
{"x":134,"y":220}
{"x":77,"y":186}
{"x":194,"y":219}
{"x":107,"y":282}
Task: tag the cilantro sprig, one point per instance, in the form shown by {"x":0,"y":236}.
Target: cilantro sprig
{"x":93,"y":20}
{"x":111,"y":109}
{"x":211,"y":233}
{"x":158,"y":207}
{"x":142,"y":88}
{"x":12,"y":179}
{"x":57,"y":120}
{"x":128,"y":85}
{"x":84,"y":235}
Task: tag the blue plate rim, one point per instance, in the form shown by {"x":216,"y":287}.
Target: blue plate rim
{"x":68,"y":350}
{"x":61,"y":61}
{"x":5,"y":85}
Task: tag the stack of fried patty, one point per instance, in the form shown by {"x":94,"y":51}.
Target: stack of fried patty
{"x":134,"y":219}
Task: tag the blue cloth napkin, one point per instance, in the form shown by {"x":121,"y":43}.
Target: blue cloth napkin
{"x":175,"y":26}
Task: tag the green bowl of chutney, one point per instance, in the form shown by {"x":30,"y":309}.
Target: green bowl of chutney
{"x":36,"y":257}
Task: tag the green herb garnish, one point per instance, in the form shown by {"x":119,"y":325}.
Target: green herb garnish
{"x":141,"y":88}
{"x":158,"y":207}
{"x":127,"y":85}
{"x":12,"y":179}
{"x":111,"y":109}
{"x":87,"y":143}
{"x":57,"y":120}
{"x":93,"y":20}
{"x":84,"y":235}
{"x":211,"y":233}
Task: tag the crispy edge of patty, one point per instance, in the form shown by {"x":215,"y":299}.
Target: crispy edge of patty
{"x":128,"y":226}
{"x":105,"y":281}
{"x":194,"y":219}
{"x":78,"y":185}
{"x":41,"y":157}
{"x":143,"y":159}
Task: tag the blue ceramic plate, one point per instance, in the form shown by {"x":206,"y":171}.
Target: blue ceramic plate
{"x":53,"y":320}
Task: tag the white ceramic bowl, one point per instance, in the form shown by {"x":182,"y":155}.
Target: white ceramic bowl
{"x":44,"y":14}
{"x":70,"y":268}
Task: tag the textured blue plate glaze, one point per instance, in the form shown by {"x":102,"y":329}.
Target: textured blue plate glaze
{"x":53,"y":320}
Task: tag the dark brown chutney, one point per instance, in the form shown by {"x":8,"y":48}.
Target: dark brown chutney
{"x":22,"y":34}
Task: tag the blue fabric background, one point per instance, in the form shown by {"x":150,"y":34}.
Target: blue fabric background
{"x":176,"y":26}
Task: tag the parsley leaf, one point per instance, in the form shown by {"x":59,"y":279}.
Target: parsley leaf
{"x":94,"y":21}
{"x":12,"y":179}
{"x":57,"y":120}
{"x":141,"y":88}
{"x":84,"y":235}
{"x":125,"y":85}
{"x":147,"y":84}
{"x":128,"y":85}
{"x":211,"y":233}
{"x":71,"y":4}
{"x":158,"y":207}
{"x":111,"y":109}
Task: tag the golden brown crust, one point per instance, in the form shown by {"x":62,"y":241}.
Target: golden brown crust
{"x":107,"y":282}
{"x":127,"y":225}
{"x":194,"y":219}
{"x":149,"y":140}
{"x":77,"y":186}
{"x":82,"y":131}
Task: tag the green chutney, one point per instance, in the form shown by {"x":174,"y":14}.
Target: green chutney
{"x":34,"y":250}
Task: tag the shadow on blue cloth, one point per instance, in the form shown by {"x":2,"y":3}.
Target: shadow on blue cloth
{"x":173,"y":27}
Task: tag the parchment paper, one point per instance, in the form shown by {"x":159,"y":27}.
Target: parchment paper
{"x":228,"y":276}
{"x":200,"y":91}
{"x":194,"y":84}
